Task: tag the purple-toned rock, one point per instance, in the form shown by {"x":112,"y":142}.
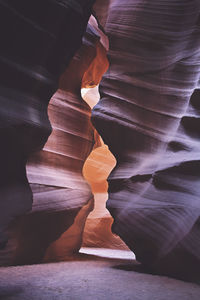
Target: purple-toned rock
{"x":38,"y":40}
{"x":147,"y":119}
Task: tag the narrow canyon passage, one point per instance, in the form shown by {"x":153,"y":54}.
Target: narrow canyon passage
{"x":100,"y":153}
{"x":99,"y":164}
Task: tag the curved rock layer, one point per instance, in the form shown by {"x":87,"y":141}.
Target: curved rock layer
{"x":37,"y":43}
{"x":101,"y":9}
{"x":100,"y":162}
{"x":62,"y":198}
{"x":147,"y":119}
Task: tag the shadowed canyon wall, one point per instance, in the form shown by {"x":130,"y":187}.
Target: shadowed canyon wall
{"x":55,"y":173}
{"x":146,"y":118}
{"x":62,"y":199}
{"x":34,"y":53}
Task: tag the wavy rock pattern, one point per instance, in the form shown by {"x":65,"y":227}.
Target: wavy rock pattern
{"x":59,"y":165}
{"x":97,"y":232}
{"x":101,"y":8}
{"x":53,"y":230}
{"x":146,"y":118}
{"x":100,"y":162}
{"x":34,"y":52}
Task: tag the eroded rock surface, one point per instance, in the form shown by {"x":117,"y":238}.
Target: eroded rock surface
{"x":62,"y":197}
{"x":38,"y":39}
{"x":146,"y":118}
{"x":101,"y":9}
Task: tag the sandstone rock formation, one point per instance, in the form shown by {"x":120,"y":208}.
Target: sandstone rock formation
{"x":146,"y":118}
{"x":99,"y":164}
{"x":53,"y":230}
{"x":37,"y":43}
{"x":61,"y":161}
{"x":101,"y":10}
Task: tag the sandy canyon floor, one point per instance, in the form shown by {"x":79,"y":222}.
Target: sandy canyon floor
{"x":92,"y":277}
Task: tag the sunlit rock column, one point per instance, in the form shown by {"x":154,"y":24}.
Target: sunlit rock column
{"x":38,"y":39}
{"x":146,"y":119}
{"x":100,"y":162}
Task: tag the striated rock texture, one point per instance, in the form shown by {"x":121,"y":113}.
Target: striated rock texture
{"x":101,"y":9}
{"x":147,"y":119}
{"x":66,"y":195}
{"x":53,"y":230}
{"x":97,"y":231}
{"x":37,"y":43}
{"x":100,"y":162}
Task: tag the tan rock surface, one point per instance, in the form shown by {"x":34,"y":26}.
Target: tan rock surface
{"x":99,"y":164}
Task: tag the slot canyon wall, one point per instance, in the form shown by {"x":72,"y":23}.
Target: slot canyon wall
{"x":34,"y":53}
{"x":62,"y":198}
{"x":151,"y":126}
{"x":99,"y":164}
{"x":148,"y":116}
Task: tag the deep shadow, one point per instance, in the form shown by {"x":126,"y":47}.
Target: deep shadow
{"x":139,"y":268}
{"x":36,"y":231}
{"x":9,"y":291}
